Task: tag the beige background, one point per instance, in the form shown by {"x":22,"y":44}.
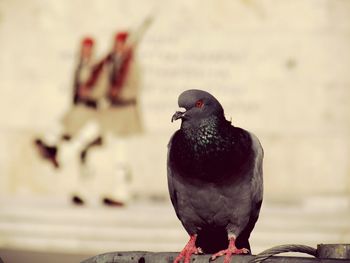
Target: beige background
{"x":280,"y":69}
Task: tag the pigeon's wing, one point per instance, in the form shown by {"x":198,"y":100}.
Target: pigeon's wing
{"x":256,"y":193}
{"x":243,"y":238}
{"x":171,"y":187}
{"x":178,"y":190}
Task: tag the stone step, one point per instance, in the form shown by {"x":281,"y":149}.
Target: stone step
{"x":159,"y":238}
{"x":59,"y":226}
{"x":154,"y":216}
{"x":150,"y":228}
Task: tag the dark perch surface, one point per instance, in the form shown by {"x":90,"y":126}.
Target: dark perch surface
{"x":168,"y":257}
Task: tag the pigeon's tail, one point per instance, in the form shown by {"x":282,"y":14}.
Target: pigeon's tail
{"x":211,"y":239}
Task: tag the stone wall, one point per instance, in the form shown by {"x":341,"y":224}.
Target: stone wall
{"x":280,"y":69}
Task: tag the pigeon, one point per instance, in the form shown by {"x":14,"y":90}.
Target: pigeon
{"x":215,"y":178}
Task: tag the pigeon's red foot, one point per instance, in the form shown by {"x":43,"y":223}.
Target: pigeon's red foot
{"x":188,"y":250}
{"x":231,"y":250}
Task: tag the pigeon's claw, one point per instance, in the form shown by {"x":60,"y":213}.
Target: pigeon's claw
{"x":231,"y":250}
{"x":188,"y":250}
{"x":199,"y":251}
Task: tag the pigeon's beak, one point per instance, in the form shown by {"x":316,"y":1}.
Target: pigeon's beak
{"x":178,"y":115}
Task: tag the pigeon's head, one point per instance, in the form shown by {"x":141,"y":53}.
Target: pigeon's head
{"x":199,"y":105}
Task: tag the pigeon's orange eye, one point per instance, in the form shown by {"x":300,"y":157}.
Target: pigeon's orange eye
{"x":199,"y":104}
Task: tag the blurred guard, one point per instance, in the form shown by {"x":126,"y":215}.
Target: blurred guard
{"x":106,"y":93}
{"x":122,"y":116}
{"x":83,"y":109}
{"x":118,"y":81}
{"x":82,"y":73}
{"x":116,"y":78}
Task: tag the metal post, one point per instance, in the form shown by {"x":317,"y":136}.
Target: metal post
{"x":334,"y":251}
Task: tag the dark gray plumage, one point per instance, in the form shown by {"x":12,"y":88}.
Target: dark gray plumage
{"x":214,"y":177}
